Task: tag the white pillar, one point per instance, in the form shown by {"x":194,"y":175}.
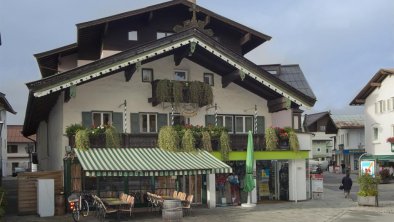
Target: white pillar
{"x":211,"y":191}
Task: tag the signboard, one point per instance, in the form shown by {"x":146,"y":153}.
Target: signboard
{"x":368,"y":166}
{"x":317,"y":183}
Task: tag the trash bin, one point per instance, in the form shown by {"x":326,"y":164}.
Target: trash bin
{"x":172,"y":210}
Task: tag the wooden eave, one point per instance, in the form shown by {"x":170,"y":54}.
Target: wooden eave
{"x":6,"y":104}
{"x":374,"y":83}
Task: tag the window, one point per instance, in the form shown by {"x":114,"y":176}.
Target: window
{"x":326,"y":150}
{"x":12,"y":149}
{"x":226,"y":121}
{"x":148,"y":123}
{"x":390,"y":104}
{"x":101,"y":118}
{"x":318,"y":149}
{"x":273,"y":72}
{"x":347,"y":139}
{"x":147,"y":75}
{"x":322,"y":128}
{"x":160,"y":35}
{"x":133,"y":36}
{"x":243,"y":124}
{"x":208,"y":79}
{"x":14,"y":165}
{"x":375,"y":134}
{"x":180,"y":75}
{"x":381,"y":106}
{"x":180,"y":120}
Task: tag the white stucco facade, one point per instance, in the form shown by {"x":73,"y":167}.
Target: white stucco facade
{"x":379,"y":118}
{"x":3,"y":139}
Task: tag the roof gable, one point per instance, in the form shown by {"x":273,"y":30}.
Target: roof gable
{"x":6,"y":104}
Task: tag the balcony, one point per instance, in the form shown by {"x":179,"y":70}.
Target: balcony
{"x":238,"y":142}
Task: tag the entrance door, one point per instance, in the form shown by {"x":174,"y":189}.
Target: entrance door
{"x":273,"y":180}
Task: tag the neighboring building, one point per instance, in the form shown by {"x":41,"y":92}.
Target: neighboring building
{"x":110,"y":76}
{"x":19,"y":149}
{"x":350,"y":141}
{"x":4,"y":108}
{"x":324,"y":131}
{"x":377,"y":96}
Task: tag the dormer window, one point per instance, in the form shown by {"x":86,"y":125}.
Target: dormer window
{"x":160,"y":35}
{"x":133,"y":36}
{"x":273,"y":72}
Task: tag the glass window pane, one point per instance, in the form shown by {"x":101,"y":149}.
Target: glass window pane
{"x":144,"y":123}
{"x":239,"y":124}
{"x":152,"y":123}
{"x":106,"y":118}
{"x":96,"y":119}
{"x":229,"y":123}
{"x":220,"y":120}
{"x":248,"y":123}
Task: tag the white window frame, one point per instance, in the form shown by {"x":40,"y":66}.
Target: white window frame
{"x":244,"y":131}
{"x":148,"y":122}
{"x":160,"y":35}
{"x":102,"y":118}
{"x":390,"y":104}
{"x":210,"y":77}
{"x":181,"y":79}
{"x":375,"y":134}
{"x":223,"y":117}
{"x":132,"y":35}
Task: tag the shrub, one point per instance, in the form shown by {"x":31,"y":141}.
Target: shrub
{"x":72,"y":129}
{"x":188,"y":141}
{"x":168,"y":139}
{"x":225,"y":146}
{"x":82,"y":139}
{"x":112,"y":137}
{"x":368,"y":185}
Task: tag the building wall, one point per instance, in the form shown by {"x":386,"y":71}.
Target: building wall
{"x":42,"y":146}
{"x":100,"y":95}
{"x":56,"y":138}
{"x":282,"y":118}
{"x":352,"y":138}
{"x":297,"y":180}
{"x":20,"y":157}
{"x":383,"y":121}
{"x":3,"y":140}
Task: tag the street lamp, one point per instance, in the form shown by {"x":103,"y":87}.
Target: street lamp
{"x":29,"y":149}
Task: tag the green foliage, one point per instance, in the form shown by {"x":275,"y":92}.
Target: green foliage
{"x":368,"y":185}
{"x":206,"y":141}
{"x":82,"y":139}
{"x":72,"y":129}
{"x":97,"y":131}
{"x":195,"y":90}
{"x":188,"y":141}
{"x":207,"y":95}
{"x":177,"y":92}
{"x":168,"y":138}
{"x":293,"y":141}
{"x":112,"y":137}
{"x":271,"y":138}
{"x":384,"y":174}
{"x":225,"y":146}
{"x":163,"y":90}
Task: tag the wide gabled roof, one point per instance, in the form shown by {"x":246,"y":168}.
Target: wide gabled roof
{"x":14,"y":135}
{"x":6,"y":104}
{"x":208,"y":53}
{"x":375,"y":82}
{"x":292,"y":75}
{"x":313,"y":118}
{"x":348,"y":121}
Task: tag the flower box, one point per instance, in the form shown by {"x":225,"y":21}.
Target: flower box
{"x":366,"y":201}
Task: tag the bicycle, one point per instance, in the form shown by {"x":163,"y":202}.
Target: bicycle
{"x":78,"y":205}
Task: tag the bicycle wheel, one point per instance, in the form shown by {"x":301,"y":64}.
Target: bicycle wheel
{"x":75,"y":215}
{"x":85,"y":208}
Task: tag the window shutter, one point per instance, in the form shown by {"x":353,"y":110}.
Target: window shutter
{"x":209,"y":120}
{"x":117,"y":121}
{"x":87,"y":119}
{"x":260,"y":125}
{"x":162,"y":120}
{"x":135,"y":123}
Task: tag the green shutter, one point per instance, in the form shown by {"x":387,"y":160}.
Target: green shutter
{"x":162,"y":120}
{"x":209,"y":120}
{"x":117,"y":121}
{"x":260,"y":125}
{"x":87,"y":119}
{"x":135,"y":123}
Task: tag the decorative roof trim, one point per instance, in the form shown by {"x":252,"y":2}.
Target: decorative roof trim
{"x":152,"y":53}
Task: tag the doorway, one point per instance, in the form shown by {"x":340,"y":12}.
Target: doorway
{"x":272,"y":180}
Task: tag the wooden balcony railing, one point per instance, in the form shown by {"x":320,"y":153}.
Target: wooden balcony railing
{"x":238,"y":142}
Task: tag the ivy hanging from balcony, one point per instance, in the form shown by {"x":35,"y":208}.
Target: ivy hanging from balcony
{"x":177,"y":92}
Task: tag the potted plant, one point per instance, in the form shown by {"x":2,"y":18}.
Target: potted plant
{"x":384,"y":176}
{"x":271,"y":139}
{"x":283,"y":137}
{"x":368,"y":190}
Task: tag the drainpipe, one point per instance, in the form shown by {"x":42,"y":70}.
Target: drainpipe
{"x":31,"y":152}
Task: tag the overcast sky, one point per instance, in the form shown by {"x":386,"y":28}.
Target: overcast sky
{"x":339,"y":44}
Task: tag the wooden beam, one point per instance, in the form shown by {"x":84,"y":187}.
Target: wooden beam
{"x":246,"y":38}
{"x":129,"y":71}
{"x":360,"y":100}
{"x":150,"y":17}
{"x":376,"y":84}
{"x":230,"y":77}
{"x":279,"y":104}
{"x":180,"y":54}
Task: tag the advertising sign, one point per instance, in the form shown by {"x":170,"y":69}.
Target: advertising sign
{"x":317,"y":183}
{"x":368,"y":166}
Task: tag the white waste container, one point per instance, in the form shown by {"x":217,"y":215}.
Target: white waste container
{"x":46,"y":197}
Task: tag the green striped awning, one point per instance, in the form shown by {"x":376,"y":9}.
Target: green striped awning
{"x":148,"y":162}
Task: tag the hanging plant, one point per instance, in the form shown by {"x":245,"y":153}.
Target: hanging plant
{"x":177,"y":92}
{"x":271,"y":139}
{"x":225,"y":146}
{"x":82,"y":141}
{"x":207,"y":96}
{"x":206,"y":141}
{"x":168,"y":138}
{"x":188,"y":141}
{"x":72,"y":129}
{"x":112,"y":138}
{"x":163,"y":90}
{"x":196,"y":92}
{"x":293,"y":141}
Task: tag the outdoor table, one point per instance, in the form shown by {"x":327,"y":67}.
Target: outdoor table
{"x":115,"y":202}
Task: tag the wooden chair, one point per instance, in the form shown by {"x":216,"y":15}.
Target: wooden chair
{"x":175,"y":194}
{"x":130,"y":205}
{"x":182,"y":196}
{"x":107,"y":210}
{"x":186,"y":205}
